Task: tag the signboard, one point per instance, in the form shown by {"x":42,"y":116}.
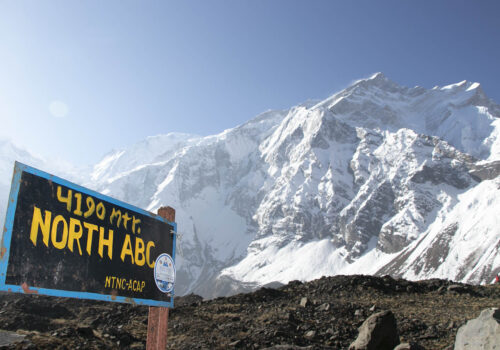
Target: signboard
{"x":62,"y":239}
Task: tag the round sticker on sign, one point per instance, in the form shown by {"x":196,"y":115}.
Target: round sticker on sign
{"x":165,"y":273}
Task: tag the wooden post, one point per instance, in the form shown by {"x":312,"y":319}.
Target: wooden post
{"x":158,"y":316}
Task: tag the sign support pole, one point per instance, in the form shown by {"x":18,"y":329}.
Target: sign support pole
{"x":158,"y":316}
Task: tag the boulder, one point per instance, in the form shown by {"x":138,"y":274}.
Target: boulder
{"x":304,"y":302}
{"x":378,"y":332}
{"x":482,"y":333}
{"x":10,"y":338}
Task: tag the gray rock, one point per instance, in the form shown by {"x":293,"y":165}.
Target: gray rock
{"x":485,"y":171}
{"x":324,"y":307}
{"x":378,"y":332}
{"x":310,"y":334}
{"x":482,"y":333}
{"x":10,"y":338}
{"x":236,"y":343}
{"x":409,"y":346}
{"x":304,"y":302}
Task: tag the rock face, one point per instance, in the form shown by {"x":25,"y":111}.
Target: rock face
{"x":482,"y":333}
{"x":378,"y":332}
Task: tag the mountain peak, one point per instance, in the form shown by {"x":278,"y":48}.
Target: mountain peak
{"x":378,"y":76}
{"x":464,"y":85}
{"x":474,"y":94}
{"x":378,"y":80}
{"x":374,"y":79}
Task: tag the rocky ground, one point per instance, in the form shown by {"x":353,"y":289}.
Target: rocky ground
{"x":322,"y":314}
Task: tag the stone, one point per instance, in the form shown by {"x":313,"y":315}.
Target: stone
{"x":310,"y":334}
{"x":10,"y":338}
{"x":236,"y":343}
{"x":378,"y":332}
{"x":304,"y":302}
{"x":482,"y":333}
{"x":324,"y":307}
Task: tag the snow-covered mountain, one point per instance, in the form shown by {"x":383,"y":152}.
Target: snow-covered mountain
{"x":376,"y":179}
{"x":10,"y":152}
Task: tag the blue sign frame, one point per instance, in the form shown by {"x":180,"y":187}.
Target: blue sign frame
{"x":5,"y":248}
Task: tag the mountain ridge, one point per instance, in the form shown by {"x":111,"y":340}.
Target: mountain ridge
{"x":365,"y":181}
{"x":338,"y":147}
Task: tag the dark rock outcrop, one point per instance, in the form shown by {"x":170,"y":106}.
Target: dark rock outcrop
{"x":378,"y":332}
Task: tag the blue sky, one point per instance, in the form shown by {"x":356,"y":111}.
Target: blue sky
{"x":79,"y":78}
